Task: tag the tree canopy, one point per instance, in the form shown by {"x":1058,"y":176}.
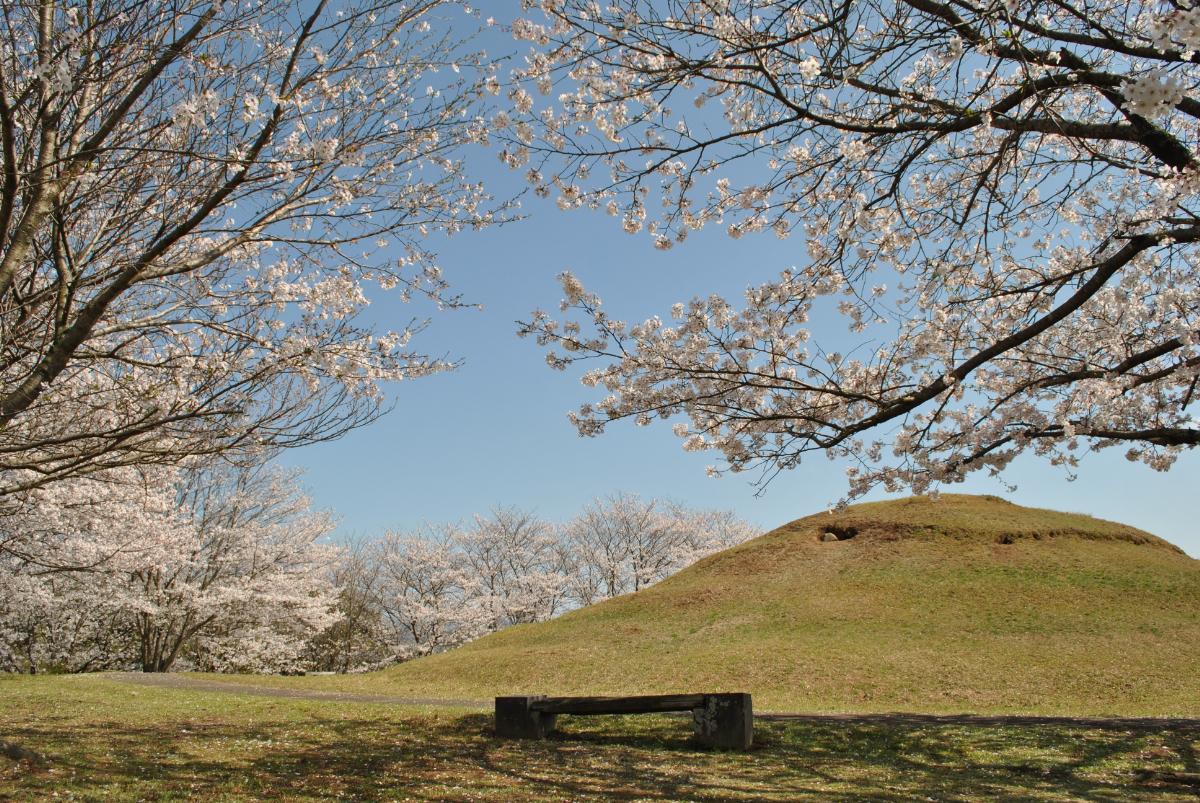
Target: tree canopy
{"x":999,"y":197}
{"x":197,"y":201}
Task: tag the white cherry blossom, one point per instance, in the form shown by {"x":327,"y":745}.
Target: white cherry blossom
{"x":1000,"y":200}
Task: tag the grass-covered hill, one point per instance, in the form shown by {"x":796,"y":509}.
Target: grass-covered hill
{"x":964,"y":603}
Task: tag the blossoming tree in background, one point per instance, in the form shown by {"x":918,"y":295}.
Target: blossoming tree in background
{"x":426,"y":595}
{"x":623,"y":543}
{"x":357,"y":638}
{"x":410,"y":594}
{"x":214,"y":564}
{"x":246,"y":583}
{"x":220,"y":568}
{"x":999,"y":198}
{"x":515,"y":561}
{"x":196,"y":201}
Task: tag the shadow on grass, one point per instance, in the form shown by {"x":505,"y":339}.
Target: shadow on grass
{"x":611,"y":758}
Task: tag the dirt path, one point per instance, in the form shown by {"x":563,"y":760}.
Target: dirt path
{"x":172,"y":681}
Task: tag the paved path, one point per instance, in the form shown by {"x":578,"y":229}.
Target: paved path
{"x":173,"y":681}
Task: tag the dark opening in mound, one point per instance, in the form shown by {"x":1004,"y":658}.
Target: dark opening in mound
{"x":839,"y":533}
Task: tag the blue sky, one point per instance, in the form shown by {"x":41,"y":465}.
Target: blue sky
{"x":495,"y":432}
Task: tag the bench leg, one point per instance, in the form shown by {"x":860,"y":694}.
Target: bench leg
{"x":516,"y":719}
{"x":726,"y":721}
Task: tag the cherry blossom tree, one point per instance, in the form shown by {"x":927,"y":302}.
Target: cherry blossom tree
{"x":428,"y":597}
{"x":244,"y":584}
{"x":357,"y":639}
{"x":623,"y":543}
{"x":197,"y":200}
{"x":85,"y":523}
{"x":999,"y":197}
{"x":58,"y":611}
{"x":215,"y":564}
{"x":619,"y":545}
{"x":434,"y":589}
{"x":514,"y":562}
{"x":411,"y":594}
{"x":706,"y":532}
{"x":53,"y":623}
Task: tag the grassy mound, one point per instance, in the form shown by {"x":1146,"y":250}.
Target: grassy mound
{"x":963,"y":603}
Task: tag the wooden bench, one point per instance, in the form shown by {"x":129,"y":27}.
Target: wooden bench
{"x":725,"y":721}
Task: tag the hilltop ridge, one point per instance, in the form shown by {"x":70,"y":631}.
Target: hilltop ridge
{"x":964,"y":516}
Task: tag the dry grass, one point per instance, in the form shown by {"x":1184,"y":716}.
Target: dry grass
{"x":114,"y":742}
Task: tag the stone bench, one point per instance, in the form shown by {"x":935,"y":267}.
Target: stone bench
{"x":724,"y":721}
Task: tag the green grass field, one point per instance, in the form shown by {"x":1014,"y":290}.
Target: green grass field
{"x":970,"y":604}
{"x":116,"y":742}
{"x":967,"y":604}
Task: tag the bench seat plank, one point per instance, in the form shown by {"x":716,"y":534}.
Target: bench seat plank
{"x":646,"y":704}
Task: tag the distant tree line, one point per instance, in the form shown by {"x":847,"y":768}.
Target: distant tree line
{"x":410,"y":594}
{"x":226,"y":568}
